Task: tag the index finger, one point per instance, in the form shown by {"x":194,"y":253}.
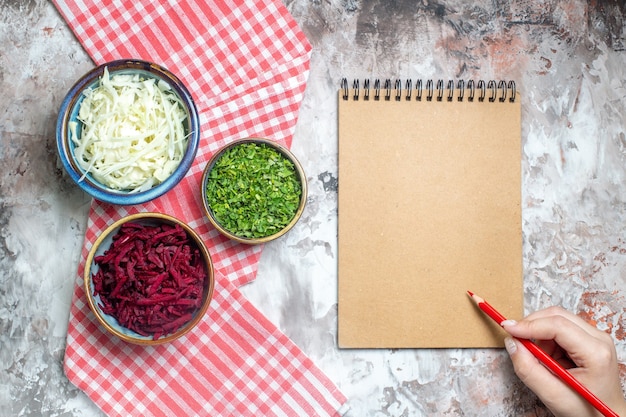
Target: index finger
{"x":559,"y":311}
{"x":579,"y":344}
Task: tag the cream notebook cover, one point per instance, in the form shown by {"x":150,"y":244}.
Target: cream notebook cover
{"x":429,"y":207}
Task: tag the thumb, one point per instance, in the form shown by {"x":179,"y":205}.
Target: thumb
{"x":531,"y":372}
{"x":523,"y":362}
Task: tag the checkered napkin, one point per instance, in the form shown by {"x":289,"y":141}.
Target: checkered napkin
{"x":246,"y":66}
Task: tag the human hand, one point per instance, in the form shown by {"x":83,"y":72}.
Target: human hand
{"x":586,"y":352}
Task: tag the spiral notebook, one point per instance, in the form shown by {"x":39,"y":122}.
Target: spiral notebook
{"x":429,"y":207}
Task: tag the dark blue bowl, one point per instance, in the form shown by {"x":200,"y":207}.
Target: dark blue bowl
{"x":69,"y":112}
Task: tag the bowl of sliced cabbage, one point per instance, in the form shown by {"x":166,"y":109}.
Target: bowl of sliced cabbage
{"x":127,"y":131}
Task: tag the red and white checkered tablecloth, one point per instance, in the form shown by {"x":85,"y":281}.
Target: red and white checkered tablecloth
{"x":246,"y":65}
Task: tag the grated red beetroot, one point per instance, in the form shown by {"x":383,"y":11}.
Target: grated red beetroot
{"x":151,"y":279}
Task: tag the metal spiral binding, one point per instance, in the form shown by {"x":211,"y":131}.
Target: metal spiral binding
{"x":480,"y":90}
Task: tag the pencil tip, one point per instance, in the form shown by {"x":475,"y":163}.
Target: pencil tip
{"x":475,"y":298}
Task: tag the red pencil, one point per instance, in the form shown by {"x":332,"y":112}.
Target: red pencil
{"x":547,"y":361}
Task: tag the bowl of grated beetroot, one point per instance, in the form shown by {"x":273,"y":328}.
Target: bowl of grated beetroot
{"x":149,"y":278}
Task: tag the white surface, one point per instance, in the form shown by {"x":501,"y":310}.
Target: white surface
{"x":569,"y":63}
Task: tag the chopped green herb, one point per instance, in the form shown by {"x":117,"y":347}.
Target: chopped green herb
{"x":253,"y":190}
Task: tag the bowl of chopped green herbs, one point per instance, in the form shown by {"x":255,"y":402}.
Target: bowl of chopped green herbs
{"x":253,"y":190}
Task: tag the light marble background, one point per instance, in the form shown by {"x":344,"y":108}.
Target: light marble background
{"x":569,"y":61}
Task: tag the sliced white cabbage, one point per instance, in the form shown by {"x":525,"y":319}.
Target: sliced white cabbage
{"x":132,"y":135}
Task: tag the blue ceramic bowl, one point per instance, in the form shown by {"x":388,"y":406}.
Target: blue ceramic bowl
{"x":110,"y":323}
{"x":69,"y":113}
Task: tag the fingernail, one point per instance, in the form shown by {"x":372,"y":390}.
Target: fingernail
{"x":506,"y":323}
{"x":510,"y":345}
